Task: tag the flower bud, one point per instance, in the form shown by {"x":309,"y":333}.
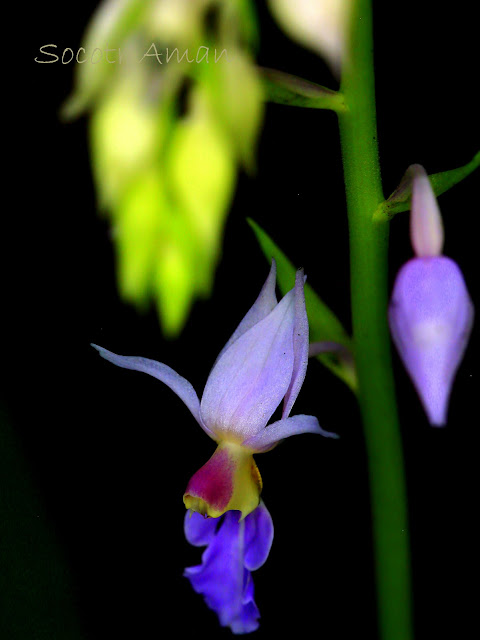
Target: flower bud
{"x":431,"y":313}
{"x":320,"y":25}
{"x":431,"y":316}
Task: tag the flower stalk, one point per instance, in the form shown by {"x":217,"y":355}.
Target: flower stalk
{"x":369,"y":298}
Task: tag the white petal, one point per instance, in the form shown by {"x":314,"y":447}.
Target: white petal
{"x":263,"y":305}
{"x":252,"y":376}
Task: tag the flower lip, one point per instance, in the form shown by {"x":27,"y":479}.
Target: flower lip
{"x":235,"y":547}
{"x":230,"y":480}
{"x":210,"y":489}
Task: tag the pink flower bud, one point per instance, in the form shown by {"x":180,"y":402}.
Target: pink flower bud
{"x":431,"y":313}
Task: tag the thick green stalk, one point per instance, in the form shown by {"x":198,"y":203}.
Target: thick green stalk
{"x":368,"y":255}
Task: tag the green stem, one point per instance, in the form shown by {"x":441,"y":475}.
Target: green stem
{"x":368,"y":255}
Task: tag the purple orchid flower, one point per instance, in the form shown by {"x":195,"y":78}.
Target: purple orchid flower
{"x":431,"y":313}
{"x":235,"y":547}
{"x":263,"y":363}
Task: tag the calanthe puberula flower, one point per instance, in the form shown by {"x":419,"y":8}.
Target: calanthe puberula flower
{"x":431,"y":313}
{"x":263,"y":363}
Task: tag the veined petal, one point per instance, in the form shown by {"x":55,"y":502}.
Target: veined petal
{"x":224,"y":578}
{"x":168,"y":376}
{"x":300,"y":345}
{"x":271,"y":435}
{"x":253,"y":375}
{"x":229,"y":480}
{"x":264,"y":304}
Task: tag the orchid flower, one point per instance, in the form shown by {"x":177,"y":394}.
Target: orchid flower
{"x":431,"y":313}
{"x":264,"y":362}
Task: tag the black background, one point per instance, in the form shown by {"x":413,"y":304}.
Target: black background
{"x":108,"y":452}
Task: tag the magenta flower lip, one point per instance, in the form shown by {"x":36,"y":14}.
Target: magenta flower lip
{"x":217,"y":494}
